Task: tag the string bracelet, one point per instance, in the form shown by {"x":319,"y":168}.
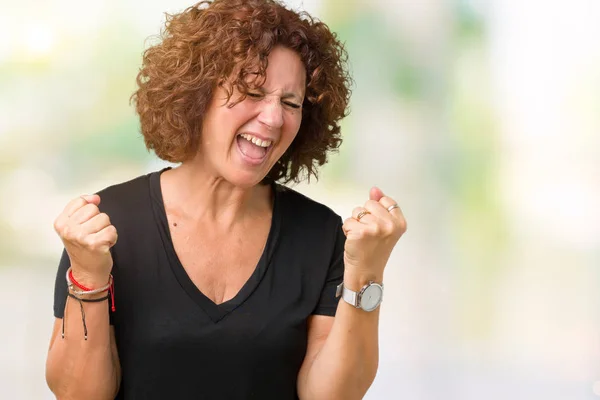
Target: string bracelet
{"x":72,"y":284}
{"x":110,"y":286}
{"x":81,"y":301}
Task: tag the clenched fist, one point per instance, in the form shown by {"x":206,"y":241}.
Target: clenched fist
{"x":87,"y":235}
{"x":371,"y":234}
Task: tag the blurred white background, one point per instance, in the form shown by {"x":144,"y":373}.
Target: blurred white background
{"x":481,"y":117}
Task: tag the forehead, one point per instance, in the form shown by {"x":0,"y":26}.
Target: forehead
{"x":286,"y":71}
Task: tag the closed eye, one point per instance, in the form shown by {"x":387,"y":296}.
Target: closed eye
{"x":256,"y":95}
{"x":290,"y":104}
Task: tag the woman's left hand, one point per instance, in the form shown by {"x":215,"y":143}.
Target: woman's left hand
{"x":371,"y":234}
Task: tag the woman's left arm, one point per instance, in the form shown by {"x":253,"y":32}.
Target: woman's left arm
{"x":343,"y":353}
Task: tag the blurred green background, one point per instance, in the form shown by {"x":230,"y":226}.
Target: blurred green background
{"x":480,"y":117}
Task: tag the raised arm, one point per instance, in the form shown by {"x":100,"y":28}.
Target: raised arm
{"x":342,"y":353}
{"x":80,"y":366}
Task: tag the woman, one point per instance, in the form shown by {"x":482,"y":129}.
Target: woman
{"x":225,"y":281}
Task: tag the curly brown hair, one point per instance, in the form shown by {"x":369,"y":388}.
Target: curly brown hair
{"x":203,"y":46}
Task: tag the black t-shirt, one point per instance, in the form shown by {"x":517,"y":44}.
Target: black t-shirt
{"x":174,"y":342}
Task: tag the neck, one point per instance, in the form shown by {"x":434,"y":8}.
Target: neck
{"x":192,"y":195}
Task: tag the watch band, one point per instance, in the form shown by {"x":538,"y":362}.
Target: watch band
{"x":355,"y":298}
{"x":349,"y":296}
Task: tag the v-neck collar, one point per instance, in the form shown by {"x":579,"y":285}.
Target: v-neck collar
{"x":216,"y":312}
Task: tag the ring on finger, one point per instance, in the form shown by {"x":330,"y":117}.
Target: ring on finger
{"x":390,"y":208}
{"x":362,"y":214}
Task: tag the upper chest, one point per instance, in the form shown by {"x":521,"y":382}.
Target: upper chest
{"x":219,"y":263}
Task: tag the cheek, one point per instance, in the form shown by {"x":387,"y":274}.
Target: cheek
{"x":292,"y":124}
{"x":237,"y":114}
{"x":229,"y":121}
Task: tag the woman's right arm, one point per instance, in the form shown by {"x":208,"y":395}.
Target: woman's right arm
{"x":77,"y":368}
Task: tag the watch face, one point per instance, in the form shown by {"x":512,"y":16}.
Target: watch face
{"x":371,"y":297}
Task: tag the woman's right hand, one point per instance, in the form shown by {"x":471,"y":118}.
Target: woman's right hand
{"x":87,"y":235}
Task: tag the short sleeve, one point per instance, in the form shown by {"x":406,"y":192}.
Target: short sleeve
{"x":60,"y":287}
{"x":327,"y":304}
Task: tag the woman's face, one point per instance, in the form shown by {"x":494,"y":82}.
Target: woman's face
{"x":243,"y":142}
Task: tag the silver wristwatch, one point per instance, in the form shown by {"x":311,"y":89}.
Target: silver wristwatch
{"x":368,"y":298}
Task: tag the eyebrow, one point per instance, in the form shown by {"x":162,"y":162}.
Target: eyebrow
{"x":285,"y":95}
{"x":288,"y":95}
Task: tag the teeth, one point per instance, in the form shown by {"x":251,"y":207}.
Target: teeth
{"x":255,"y":140}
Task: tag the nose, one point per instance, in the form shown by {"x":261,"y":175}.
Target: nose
{"x":271,"y":112}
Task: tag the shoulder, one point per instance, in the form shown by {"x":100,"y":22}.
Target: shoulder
{"x":127,"y":197}
{"x":302,"y":208}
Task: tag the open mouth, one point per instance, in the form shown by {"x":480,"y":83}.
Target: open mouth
{"x":252,"y":147}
